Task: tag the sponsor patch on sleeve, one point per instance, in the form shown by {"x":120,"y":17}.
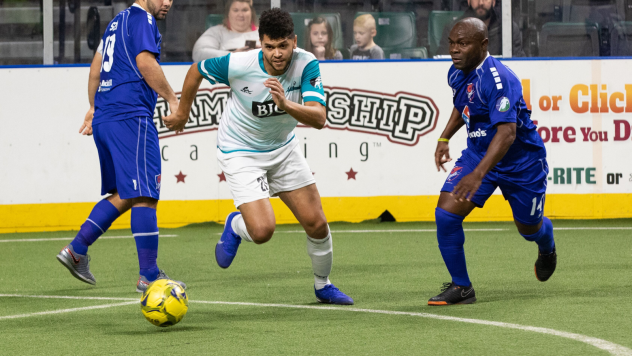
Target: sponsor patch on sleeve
{"x":503,"y":104}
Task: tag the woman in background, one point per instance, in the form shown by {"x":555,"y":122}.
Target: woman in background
{"x":240,"y":25}
{"x":319,"y":40}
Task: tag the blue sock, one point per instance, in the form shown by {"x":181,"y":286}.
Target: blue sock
{"x":544,"y":237}
{"x":145,"y":231}
{"x":451,"y":239}
{"x":99,"y":221}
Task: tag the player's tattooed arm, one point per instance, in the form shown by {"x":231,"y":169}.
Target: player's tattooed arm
{"x":93,"y":85}
{"x":442,"y":153}
{"x":502,"y":141}
{"x":155,"y":78}
{"x":312,"y":114}
{"x":178,"y":119}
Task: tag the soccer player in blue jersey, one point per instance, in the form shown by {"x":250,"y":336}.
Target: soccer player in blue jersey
{"x":503,"y":150}
{"x":125,"y":78}
{"x":272,"y":89}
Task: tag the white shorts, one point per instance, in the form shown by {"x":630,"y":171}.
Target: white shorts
{"x":253,"y":176}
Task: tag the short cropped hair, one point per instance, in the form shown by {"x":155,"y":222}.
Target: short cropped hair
{"x":366,"y":21}
{"x":276,"y":23}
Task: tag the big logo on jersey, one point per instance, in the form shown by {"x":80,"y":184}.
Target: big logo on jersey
{"x":401,"y":117}
{"x":466,"y":117}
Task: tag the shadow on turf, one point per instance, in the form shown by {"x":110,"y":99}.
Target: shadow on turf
{"x":156,"y":329}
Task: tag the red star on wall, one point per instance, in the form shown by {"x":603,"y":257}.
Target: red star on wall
{"x":222,"y":177}
{"x":180,"y":177}
{"x":351,"y":174}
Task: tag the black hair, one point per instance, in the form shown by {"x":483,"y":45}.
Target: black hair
{"x":276,"y":23}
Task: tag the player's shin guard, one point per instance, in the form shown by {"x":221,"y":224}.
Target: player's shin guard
{"x":451,"y":239}
{"x":322,"y":255}
{"x":145,"y":231}
{"x":544,"y":237}
{"x":239,"y":227}
{"x":99,"y":221}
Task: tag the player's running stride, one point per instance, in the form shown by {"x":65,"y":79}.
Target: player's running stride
{"x":503,"y":150}
{"x":257,"y":148}
{"x":125,"y":76}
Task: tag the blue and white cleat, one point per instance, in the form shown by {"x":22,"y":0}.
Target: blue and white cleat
{"x":226,"y":248}
{"x":332,"y":295}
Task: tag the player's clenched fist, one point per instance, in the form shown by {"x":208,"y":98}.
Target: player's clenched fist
{"x":442,"y":155}
{"x":277,"y":92}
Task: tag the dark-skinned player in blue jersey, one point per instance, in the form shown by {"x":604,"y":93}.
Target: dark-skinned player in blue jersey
{"x":503,"y":150}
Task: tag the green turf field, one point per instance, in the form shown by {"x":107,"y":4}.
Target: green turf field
{"x":383,"y":269}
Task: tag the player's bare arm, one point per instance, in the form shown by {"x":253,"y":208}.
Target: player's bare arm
{"x":178,"y":118}
{"x":312,"y":114}
{"x":504,"y":138}
{"x":93,"y":85}
{"x":442,"y":153}
{"x":155,"y":77}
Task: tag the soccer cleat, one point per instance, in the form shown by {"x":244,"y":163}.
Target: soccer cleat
{"x":453,"y":294}
{"x":226,"y":248}
{"x":332,"y":295}
{"x":143,"y":283}
{"x":545,"y":265}
{"x":78,"y":265}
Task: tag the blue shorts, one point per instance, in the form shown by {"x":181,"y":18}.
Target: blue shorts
{"x":524,"y":190}
{"x":130,"y":157}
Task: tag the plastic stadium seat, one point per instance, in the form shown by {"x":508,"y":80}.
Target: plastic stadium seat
{"x":301,"y":19}
{"x":406,"y":53}
{"x":621,"y":39}
{"x":436,"y":23}
{"x":599,"y":11}
{"x":559,"y":39}
{"x":394,"y":29}
{"x":213,"y":20}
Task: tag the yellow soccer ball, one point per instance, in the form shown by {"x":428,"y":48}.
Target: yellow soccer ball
{"x":164,"y":303}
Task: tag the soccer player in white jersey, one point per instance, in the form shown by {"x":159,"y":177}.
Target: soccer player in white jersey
{"x":257,"y":149}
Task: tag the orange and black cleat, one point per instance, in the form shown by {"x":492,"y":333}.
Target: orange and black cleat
{"x":545,"y":265}
{"x":453,"y":294}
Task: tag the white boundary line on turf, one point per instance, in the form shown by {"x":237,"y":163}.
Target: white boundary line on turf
{"x":70,"y":238}
{"x":60,"y":311}
{"x":466,"y":230}
{"x":612,"y":348}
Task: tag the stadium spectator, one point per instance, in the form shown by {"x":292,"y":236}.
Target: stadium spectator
{"x":234,"y":35}
{"x":319,"y":40}
{"x":484,"y":10}
{"x":364,"y":30}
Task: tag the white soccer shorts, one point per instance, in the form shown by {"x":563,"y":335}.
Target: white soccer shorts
{"x":253,"y":175}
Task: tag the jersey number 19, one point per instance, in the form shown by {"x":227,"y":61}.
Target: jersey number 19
{"x":108,"y":50}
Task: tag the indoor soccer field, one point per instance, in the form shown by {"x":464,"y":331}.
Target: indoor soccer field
{"x":264,"y":303}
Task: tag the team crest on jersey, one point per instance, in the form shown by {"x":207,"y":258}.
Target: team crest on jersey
{"x":316,"y":83}
{"x":158,"y":183}
{"x":470,"y":92}
{"x":466,"y":117}
{"x":456,"y":171}
{"x":503,"y":104}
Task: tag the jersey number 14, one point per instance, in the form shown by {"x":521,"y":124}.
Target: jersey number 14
{"x":108,"y":51}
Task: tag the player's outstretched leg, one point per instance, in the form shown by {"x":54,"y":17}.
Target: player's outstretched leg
{"x":145,"y":231}
{"x":75,"y":256}
{"x":451,"y":239}
{"x":321,"y":253}
{"x":226,"y":248}
{"x":547,"y":257}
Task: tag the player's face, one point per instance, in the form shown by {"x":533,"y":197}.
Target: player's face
{"x":159,"y":8}
{"x":239,"y":16}
{"x":482,"y":8}
{"x":278,"y":53}
{"x":466,"y":49}
{"x":318,"y":35}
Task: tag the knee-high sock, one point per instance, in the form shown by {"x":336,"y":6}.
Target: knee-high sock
{"x":322,"y":255}
{"x":239,"y":226}
{"x":145,"y":231}
{"x":451,"y":239}
{"x":99,"y":221}
{"x":544,"y":237}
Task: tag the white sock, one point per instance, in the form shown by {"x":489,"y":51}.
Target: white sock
{"x":321,"y":253}
{"x":239,"y":226}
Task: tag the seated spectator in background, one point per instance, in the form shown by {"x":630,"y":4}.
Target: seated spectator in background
{"x":238,"y":33}
{"x":484,"y":10}
{"x":319,"y":40}
{"x":364,"y":30}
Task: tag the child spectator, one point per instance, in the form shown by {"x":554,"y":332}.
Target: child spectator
{"x":319,"y":40}
{"x":363,"y":32}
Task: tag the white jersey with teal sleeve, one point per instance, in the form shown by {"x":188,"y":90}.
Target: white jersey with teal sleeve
{"x":251,"y":121}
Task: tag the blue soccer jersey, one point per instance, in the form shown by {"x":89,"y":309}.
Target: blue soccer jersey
{"x":123,"y":93}
{"x":490,"y":95}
